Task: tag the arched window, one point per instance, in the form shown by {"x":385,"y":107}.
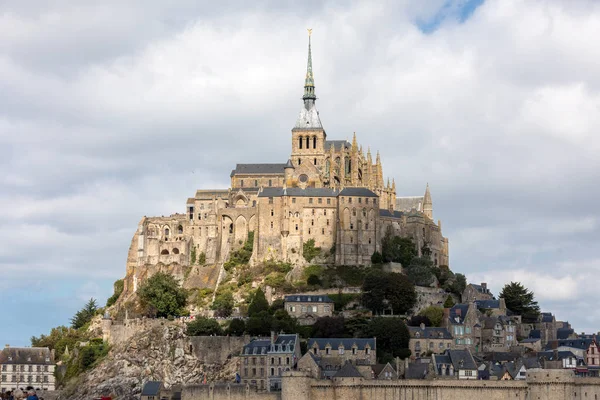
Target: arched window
{"x":307,"y":142}
{"x":167,"y":232}
{"x":164,"y":252}
{"x":230,"y":228}
{"x":175,"y":250}
{"x":354,"y":212}
{"x":315,"y":162}
{"x":180,"y":229}
{"x":314,"y":142}
{"x":300,"y":141}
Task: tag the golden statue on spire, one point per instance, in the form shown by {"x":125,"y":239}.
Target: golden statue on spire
{"x":309,"y":31}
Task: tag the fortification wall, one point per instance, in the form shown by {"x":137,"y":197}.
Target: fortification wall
{"x":217,"y":349}
{"x":226,"y":392}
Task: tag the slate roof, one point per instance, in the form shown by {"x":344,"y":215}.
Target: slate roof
{"x":26,"y":355}
{"x":387,"y":213}
{"x":308,"y":118}
{"x":298,"y":192}
{"x":244,"y":169}
{"x":487,"y":304}
{"x":338,"y":144}
{"x":530,"y":340}
{"x":583,"y":344}
{"x":429,"y":332}
{"x":348,"y":371}
{"x":480,"y":288}
{"x":546,"y":317}
{"x":501,"y":356}
{"x":303,"y":298}
{"x":409,"y":203}
{"x":549,"y":355}
{"x":151,"y":388}
{"x":263,"y":345}
{"x":462,"y":359}
{"x":357,"y":191}
{"x":416,"y":371}
{"x":457,"y":313}
{"x":564,"y":333}
{"x":347,"y":343}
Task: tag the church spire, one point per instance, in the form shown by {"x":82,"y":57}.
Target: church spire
{"x":427,"y":203}
{"x":309,"y":82}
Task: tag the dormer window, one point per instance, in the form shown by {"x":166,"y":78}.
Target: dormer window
{"x":367,"y":350}
{"x":341,"y":350}
{"x":327,"y":350}
{"x":9,"y":358}
{"x":29,"y":359}
{"x":417,"y":334}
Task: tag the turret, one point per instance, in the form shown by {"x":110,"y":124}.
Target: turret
{"x":379,"y":172}
{"x":427,"y":203}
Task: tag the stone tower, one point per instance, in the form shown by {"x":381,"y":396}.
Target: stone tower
{"x":427,"y":204}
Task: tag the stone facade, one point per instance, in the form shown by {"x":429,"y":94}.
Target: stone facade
{"x":21,"y":367}
{"x":428,"y":339}
{"x":340,"y":351}
{"x":307,"y":308}
{"x":329,"y":191}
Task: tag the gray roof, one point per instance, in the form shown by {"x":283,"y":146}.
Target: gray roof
{"x":487,"y":303}
{"x":457,"y":313}
{"x":337,"y":144}
{"x":244,"y":169}
{"x":583,"y":344}
{"x":303,"y":298}
{"x":549,"y":355}
{"x":387,"y":213}
{"x":308,"y":118}
{"x":530,"y":340}
{"x":416,"y":371}
{"x":564,"y":333}
{"x":263,"y":345}
{"x":547,"y":317}
{"x":347,"y":343}
{"x":479,"y":288}
{"x":297,"y":192}
{"x":151,"y":388}
{"x":348,"y":371}
{"x":535,"y":334}
{"x":26,"y":355}
{"x":430,"y":332}
{"x":357,"y":191}
{"x":409,"y":203}
{"x":462,"y":359}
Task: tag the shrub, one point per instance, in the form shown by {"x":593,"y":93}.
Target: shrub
{"x":162,"y":296}
{"x":275,"y":280}
{"x":193,"y":256}
{"x":202,"y":259}
{"x":203,"y":326}
{"x":309,"y":251}
{"x":237,"y":327}
{"x":118,"y":287}
{"x":313,"y":280}
{"x":376,"y":258}
{"x":223,"y":304}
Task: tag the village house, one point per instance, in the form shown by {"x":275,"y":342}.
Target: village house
{"x":498,"y":333}
{"x":307,"y":308}
{"x":462,"y":322}
{"x":357,"y":351}
{"x":455,"y":363}
{"x":27,"y":366}
{"x":263,"y":360}
{"x":431,"y":340}
{"x":476,"y":292}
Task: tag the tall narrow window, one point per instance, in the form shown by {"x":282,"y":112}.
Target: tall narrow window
{"x":314,"y":142}
{"x":299,"y":161}
{"x":300,"y":141}
{"x":315,"y":162}
{"x":242,"y":183}
{"x":307,"y":142}
{"x":270,"y":182}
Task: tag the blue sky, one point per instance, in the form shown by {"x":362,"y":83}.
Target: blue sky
{"x":494,"y":103}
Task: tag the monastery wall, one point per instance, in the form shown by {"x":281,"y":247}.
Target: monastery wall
{"x":226,"y":392}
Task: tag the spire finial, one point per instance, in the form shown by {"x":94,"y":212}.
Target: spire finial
{"x":309,"y":82}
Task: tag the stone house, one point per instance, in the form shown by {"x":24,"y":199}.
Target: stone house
{"x":497,"y":333}
{"x":592,"y":355}
{"x":27,"y":366}
{"x":383,"y":372}
{"x":474,"y":292}
{"x":455,"y":363}
{"x":307,"y":308}
{"x":462,"y":321}
{"x":337,"y":350}
{"x":264,"y":360}
{"x":534,"y":344}
{"x":491,"y":308}
{"x":429,"y":339}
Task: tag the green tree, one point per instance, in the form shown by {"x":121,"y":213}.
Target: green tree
{"x":202,"y":326}
{"x":434,"y":314}
{"x":520,"y":301}
{"x":329,"y":327}
{"x":118,"y":287}
{"x":417,"y":320}
{"x":84,"y":315}
{"x":313,"y":280}
{"x":202,"y":258}
{"x":223,"y":304}
{"x":392,"y":338}
{"x":376,"y":258}
{"x":397,"y":249}
{"x":420,"y":271}
{"x":449,"y":302}
{"x":278,"y":304}
{"x":382,"y":291}
{"x":162,"y":296}
{"x":259,"y":324}
{"x":237,"y":327}
{"x":193,"y":256}
{"x":309,"y":251}
{"x":459,"y":284}
{"x":259,"y":303}
{"x":283,"y":322}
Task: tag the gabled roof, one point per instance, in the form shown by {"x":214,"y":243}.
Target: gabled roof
{"x":335,"y":343}
{"x":263,"y":345}
{"x":26,"y":355}
{"x":304,"y":298}
{"x":457,"y":313}
{"x":429,"y":332}
{"x":268,"y":169}
{"x":337,"y":144}
{"x":387,"y":213}
{"x":549,"y":355}
{"x":348,"y":371}
{"x":151,"y":388}
{"x":462,"y":359}
{"x":490,"y":304}
{"x":357,"y":191}
{"x":547,"y":317}
{"x":416,"y":371}
{"x":479,"y":288}
{"x":409,"y":203}
{"x":564,"y":333}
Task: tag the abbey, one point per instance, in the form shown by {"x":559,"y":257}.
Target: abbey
{"x":327,"y":190}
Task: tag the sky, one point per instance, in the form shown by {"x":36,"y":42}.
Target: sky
{"x":113,"y":110}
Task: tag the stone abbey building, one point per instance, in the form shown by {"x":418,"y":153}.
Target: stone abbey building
{"x":326,"y":190}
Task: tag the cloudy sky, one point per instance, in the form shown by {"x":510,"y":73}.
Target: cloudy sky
{"x":113,"y":110}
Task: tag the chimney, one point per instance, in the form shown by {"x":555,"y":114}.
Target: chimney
{"x":484,"y":287}
{"x":458,"y":312}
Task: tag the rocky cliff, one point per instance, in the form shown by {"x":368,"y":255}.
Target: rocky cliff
{"x":162,"y":353}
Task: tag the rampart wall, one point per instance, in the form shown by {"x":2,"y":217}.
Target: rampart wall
{"x":226,"y":392}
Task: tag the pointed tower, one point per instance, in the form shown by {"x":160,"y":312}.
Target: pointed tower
{"x":427,"y":203}
{"x":369,"y":177}
{"x":308,"y":135}
{"x":379,"y":173}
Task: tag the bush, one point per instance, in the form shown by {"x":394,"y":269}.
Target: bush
{"x":313,"y":280}
{"x":162,"y":296}
{"x":449,"y":303}
{"x":420,"y":271}
{"x":277,"y":266}
{"x":316,"y":270}
{"x":203,"y":326}
{"x":258,"y":304}
{"x":240,"y":256}
{"x":434,"y":314}
{"x":376,"y":258}
{"x":384,"y":291}
{"x":202,"y":259}
{"x":276,"y":280}
{"x":223,"y":304}
{"x":237,"y":327}
{"x":397,"y":249}
{"x":309,"y":251}
{"x":118,"y":287}
{"x":193,"y":256}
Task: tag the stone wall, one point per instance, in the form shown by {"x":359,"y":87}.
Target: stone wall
{"x":217,"y":349}
{"x":226,"y":392}
{"x":431,"y":297}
